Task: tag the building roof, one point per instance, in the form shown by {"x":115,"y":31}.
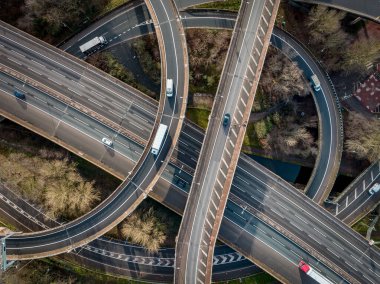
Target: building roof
{"x":368,"y":93}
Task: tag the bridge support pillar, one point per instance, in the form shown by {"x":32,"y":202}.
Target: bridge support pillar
{"x":4,"y":263}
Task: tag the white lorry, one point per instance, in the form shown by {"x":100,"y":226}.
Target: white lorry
{"x":313,"y":273}
{"x":157,"y":142}
{"x":169,"y":88}
{"x":315,"y":82}
{"x":89,"y":46}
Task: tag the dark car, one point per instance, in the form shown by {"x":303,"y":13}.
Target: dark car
{"x":226,"y":119}
{"x":181,"y":183}
{"x":19,"y":95}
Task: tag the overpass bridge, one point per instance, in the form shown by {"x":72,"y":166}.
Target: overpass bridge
{"x":144,"y":174}
{"x":355,"y":202}
{"x":119,"y":257}
{"x":330,"y":119}
{"x":369,"y":9}
{"x":222,"y":143}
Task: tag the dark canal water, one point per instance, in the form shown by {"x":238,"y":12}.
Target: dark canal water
{"x":298,"y":174}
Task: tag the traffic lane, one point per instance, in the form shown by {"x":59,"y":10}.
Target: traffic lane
{"x":366,"y":8}
{"x":297,"y":225}
{"x":174,"y":56}
{"x":210,"y":161}
{"x":119,"y":162}
{"x":115,"y":253}
{"x":142,"y":174}
{"x":79,"y":136}
{"x":169,"y":195}
{"x":182,"y":4}
{"x":202,"y":22}
{"x":232,"y":235}
{"x":327,"y":136}
{"x":286,"y":196}
{"x":187,"y":154}
{"x":115,"y":16}
{"x":253,"y":228}
{"x":118,"y":112}
{"x":259,"y":251}
{"x":14,"y":216}
{"x":177,"y":177}
{"x":124,"y":20}
{"x":75,"y":231}
{"x":329,"y":119}
{"x":193,"y":134}
{"x":23,"y":111}
{"x":89,"y":74}
{"x":119,"y":246}
{"x":245,"y":45}
{"x":272,"y":189}
{"x":362,"y":205}
{"x":113,"y":266}
{"x":71,"y":117}
{"x":26,"y":211}
{"x":359,"y":185}
{"x":315,"y":229}
{"x":124,"y":36}
{"x":135,"y":263}
{"x":318,"y":187}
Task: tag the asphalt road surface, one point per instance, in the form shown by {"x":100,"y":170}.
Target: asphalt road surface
{"x":222,"y":142}
{"x":365,"y":8}
{"x":331,"y":139}
{"x":119,"y":257}
{"x":131,"y":191}
{"x":355,"y":202}
{"x":177,"y":202}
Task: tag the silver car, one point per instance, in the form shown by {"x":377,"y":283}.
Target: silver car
{"x":107,"y":141}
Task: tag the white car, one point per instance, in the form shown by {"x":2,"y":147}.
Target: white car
{"x":107,"y":141}
{"x":375,"y":188}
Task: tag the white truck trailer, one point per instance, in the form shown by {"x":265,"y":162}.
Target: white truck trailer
{"x":91,"y":44}
{"x":313,"y":273}
{"x":157,"y":142}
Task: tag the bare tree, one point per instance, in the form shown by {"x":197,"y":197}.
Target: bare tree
{"x":144,"y":228}
{"x":49,"y":17}
{"x":69,"y":197}
{"x":323,"y":22}
{"x":362,"y":137}
{"x":281,"y":79}
{"x":291,"y":140}
{"x":359,"y":54}
{"x":326,"y":37}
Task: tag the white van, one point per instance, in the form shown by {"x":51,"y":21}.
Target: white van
{"x":315,"y":82}
{"x":169,"y":88}
{"x":375,"y":188}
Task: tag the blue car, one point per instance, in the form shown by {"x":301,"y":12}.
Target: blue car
{"x":19,"y":95}
{"x":226,"y":119}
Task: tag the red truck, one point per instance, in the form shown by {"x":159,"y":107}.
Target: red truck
{"x":313,"y":273}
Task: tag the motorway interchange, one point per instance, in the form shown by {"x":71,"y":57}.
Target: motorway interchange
{"x":253,"y":217}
